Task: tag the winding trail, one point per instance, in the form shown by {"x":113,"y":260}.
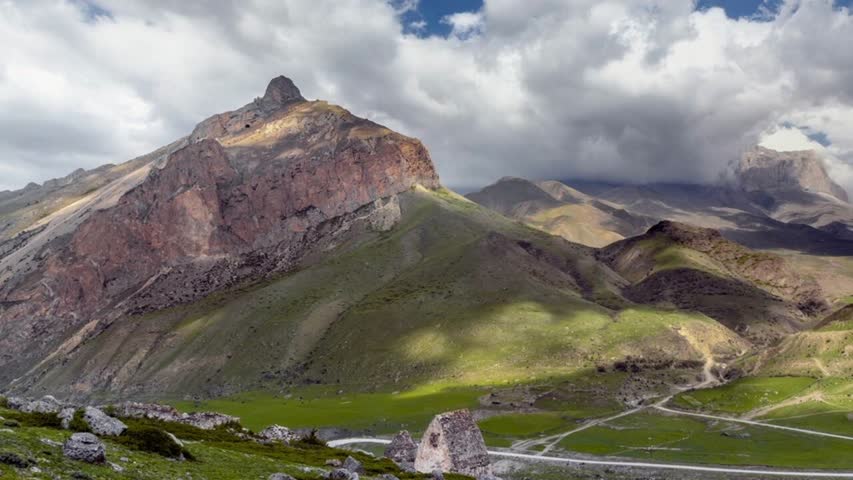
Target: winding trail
{"x":645,"y":465}
{"x":752,"y":422}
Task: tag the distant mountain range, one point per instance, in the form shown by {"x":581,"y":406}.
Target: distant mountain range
{"x":290,"y":242}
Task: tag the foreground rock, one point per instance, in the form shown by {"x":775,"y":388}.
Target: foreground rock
{"x":402,"y":450}
{"x":102,"y":424}
{"x":453,"y":443}
{"x":85,"y":447}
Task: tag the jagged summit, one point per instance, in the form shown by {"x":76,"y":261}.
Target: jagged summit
{"x":280,"y":91}
{"x":281,"y":94}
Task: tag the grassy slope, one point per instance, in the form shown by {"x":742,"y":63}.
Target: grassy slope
{"x":217,"y":456}
{"x":449,"y":296}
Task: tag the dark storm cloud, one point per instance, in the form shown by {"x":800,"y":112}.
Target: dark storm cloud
{"x":617,"y":89}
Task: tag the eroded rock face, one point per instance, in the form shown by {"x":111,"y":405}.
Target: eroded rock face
{"x":241,"y":201}
{"x":453,"y":443}
{"x":402,"y":450}
{"x":85,"y":447}
{"x":763,"y":169}
{"x":102,"y":424}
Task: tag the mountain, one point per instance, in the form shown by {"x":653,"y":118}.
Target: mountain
{"x":562,"y":210}
{"x":754,"y":293}
{"x":290,"y":242}
{"x":776,"y":200}
{"x":771,"y":172}
{"x":243,"y":197}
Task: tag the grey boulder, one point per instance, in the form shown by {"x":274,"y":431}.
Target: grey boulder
{"x":85,"y":447}
{"x":102,"y":424}
{"x":280,"y":476}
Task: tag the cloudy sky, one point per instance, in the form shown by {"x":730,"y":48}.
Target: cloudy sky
{"x":623,"y":90}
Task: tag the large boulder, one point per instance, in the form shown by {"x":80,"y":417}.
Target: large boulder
{"x":453,"y":443}
{"x":85,"y":447}
{"x":402,"y":450}
{"x":102,"y":424}
{"x":354,"y":465}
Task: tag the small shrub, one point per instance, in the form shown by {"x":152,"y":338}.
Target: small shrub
{"x":4,"y":403}
{"x":11,"y":423}
{"x":37,"y":419}
{"x":110,"y":410}
{"x":153,"y":440}
{"x":78,"y":424}
{"x":311,"y":440}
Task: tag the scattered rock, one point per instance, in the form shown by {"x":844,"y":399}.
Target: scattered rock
{"x":50,"y":442}
{"x":124,"y":459}
{"x":80,"y":476}
{"x":453,"y":443}
{"x":116,"y":467}
{"x":342,"y":474}
{"x":334,"y":462}
{"x":280,"y":476}
{"x":402,"y":450}
{"x":277,"y":433}
{"x":46,"y":404}
{"x":66,"y":415}
{"x":437,"y":475}
{"x":153,"y":411}
{"x":388,"y":476}
{"x":35,"y":470}
{"x":85,"y":447}
{"x":14,"y":460}
{"x":353,"y":465}
{"x":16,"y":403}
{"x":102,"y":424}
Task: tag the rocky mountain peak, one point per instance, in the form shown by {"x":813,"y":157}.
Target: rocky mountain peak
{"x":763,"y":169}
{"x":280,"y":91}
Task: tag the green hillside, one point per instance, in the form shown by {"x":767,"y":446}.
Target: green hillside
{"x":454,"y":294}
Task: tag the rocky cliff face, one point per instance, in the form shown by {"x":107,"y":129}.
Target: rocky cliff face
{"x":762,"y":169}
{"x":246,"y":197}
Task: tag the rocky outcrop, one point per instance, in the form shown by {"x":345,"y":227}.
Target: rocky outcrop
{"x":102,"y":424}
{"x":278,"y":434}
{"x":243,"y":200}
{"x":153,"y":411}
{"x":453,"y":443}
{"x":165,"y":413}
{"x":85,"y":447}
{"x":209,"y":420}
{"x":402,"y":450}
{"x":765,"y":170}
{"x":46,"y":404}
